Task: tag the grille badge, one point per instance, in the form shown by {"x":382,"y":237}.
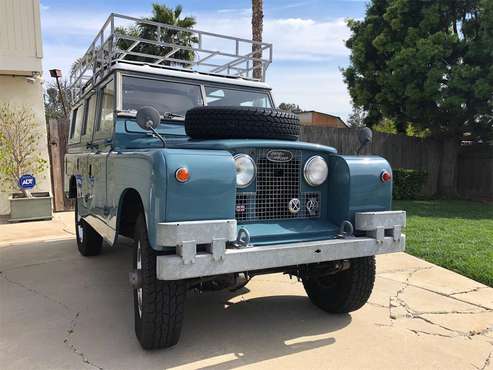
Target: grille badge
{"x":312,"y":206}
{"x":294,"y":205}
{"x":279,"y":155}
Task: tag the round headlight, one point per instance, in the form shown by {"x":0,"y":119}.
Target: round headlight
{"x":245,"y":170}
{"x":316,"y":170}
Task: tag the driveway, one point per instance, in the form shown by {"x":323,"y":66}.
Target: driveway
{"x":63,"y":311}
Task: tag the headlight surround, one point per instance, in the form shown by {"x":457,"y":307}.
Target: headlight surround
{"x":316,"y":170}
{"x":245,"y":170}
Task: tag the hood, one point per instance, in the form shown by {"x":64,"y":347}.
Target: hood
{"x":232,"y":144}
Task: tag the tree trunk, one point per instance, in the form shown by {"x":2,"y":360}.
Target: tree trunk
{"x":447,"y":179}
{"x":257,"y":28}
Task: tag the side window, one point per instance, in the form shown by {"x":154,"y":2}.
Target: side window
{"x":77,"y":119}
{"x":72,"y":123}
{"x":104,"y":126}
{"x":88,"y":123}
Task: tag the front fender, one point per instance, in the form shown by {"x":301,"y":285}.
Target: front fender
{"x":209,"y":194}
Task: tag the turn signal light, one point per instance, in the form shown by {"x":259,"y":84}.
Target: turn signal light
{"x":182,"y":174}
{"x":385,"y":176}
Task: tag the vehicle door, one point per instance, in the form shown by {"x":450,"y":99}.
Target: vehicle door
{"x":76,"y":152}
{"x":87,"y":170}
{"x":102,"y":140}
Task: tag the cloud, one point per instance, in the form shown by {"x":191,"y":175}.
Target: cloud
{"x":306,"y":52}
{"x":321,"y":88}
{"x":293,"y":38}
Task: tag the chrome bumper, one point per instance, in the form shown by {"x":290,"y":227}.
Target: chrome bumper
{"x":383,"y":235}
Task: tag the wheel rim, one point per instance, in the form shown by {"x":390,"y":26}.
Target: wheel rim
{"x":139,"y":271}
{"x":80,"y":229}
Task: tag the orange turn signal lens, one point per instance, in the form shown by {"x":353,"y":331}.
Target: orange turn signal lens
{"x":385,"y":176}
{"x":182,"y":174}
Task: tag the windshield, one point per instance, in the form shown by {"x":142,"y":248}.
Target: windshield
{"x":216,"y":96}
{"x":176,"y":98}
{"x":166,"y":97}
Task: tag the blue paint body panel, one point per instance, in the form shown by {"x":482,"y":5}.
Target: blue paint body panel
{"x":134,"y":162}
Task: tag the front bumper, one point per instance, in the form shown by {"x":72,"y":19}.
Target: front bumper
{"x":383,"y":235}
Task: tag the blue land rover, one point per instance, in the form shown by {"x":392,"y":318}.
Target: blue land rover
{"x":190,"y":158}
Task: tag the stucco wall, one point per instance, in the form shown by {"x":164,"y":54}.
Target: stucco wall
{"x":18,"y":91}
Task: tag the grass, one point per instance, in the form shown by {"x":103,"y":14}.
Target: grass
{"x":457,"y":235}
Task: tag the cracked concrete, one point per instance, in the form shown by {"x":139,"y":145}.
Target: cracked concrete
{"x":63,"y":311}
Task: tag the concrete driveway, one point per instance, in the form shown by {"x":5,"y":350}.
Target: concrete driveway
{"x":63,"y":311}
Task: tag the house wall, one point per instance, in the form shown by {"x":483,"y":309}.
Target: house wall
{"x":18,"y":91}
{"x":20,"y":73}
{"x":320,"y":119}
{"x":20,"y":37}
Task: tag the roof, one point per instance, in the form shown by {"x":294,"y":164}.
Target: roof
{"x":325,"y":114}
{"x":194,"y":75}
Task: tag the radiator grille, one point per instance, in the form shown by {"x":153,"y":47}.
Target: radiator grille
{"x":277,"y":183}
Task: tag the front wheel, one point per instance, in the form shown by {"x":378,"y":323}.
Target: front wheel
{"x":158,"y":305}
{"x":89,"y":242}
{"x":345,"y":291}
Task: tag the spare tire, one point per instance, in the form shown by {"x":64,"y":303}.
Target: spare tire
{"x":241,"y":123}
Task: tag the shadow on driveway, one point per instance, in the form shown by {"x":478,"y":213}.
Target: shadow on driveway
{"x":222,"y":330}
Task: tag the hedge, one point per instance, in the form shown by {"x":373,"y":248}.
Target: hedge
{"x":407,"y":183}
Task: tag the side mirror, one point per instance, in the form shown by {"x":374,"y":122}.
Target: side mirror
{"x":365,"y":136}
{"x":148,"y":118}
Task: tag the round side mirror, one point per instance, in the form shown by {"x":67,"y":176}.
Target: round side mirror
{"x":148,"y":117}
{"x":365,"y":135}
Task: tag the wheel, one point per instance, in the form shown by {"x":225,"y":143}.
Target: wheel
{"x":89,"y":242}
{"x":345,"y":291}
{"x":158,"y":305}
{"x":241,"y":123}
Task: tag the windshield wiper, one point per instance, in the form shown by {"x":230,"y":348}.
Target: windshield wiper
{"x":168,"y":115}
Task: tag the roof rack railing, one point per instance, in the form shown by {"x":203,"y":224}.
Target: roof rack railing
{"x":125,"y":39}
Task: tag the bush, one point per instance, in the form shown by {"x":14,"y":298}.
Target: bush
{"x":408,"y":183}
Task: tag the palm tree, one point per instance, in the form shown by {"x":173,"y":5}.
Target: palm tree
{"x":162,"y":14}
{"x":257,"y":28}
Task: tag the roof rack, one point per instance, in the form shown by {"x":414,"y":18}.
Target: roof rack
{"x":124,"y":39}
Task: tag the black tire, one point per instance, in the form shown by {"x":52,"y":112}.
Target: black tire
{"x":89,"y":242}
{"x":241,"y":123}
{"x":345,"y":291}
{"x":159,"y":317}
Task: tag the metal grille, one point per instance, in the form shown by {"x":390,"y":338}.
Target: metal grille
{"x":277,"y":183}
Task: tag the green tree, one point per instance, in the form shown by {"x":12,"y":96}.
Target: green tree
{"x":290,"y":107}
{"x":357,"y":118}
{"x":429,"y":63}
{"x":53,"y":104}
{"x":162,"y":14}
{"x":19,"y":140}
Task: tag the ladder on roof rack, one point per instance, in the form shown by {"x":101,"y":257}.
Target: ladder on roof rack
{"x":125,"y":39}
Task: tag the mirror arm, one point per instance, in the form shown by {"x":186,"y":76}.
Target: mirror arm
{"x":158,"y":135}
{"x":362,"y":146}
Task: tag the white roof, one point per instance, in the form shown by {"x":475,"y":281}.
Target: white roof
{"x":190,"y":75}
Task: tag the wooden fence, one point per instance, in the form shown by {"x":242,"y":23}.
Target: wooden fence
{"x":402,"y":151}
{"x":475,"y":172}
{"x":57,"y":147}
{"x":475,"y":163}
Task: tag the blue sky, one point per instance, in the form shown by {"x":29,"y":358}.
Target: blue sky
{"x":308,"y":38}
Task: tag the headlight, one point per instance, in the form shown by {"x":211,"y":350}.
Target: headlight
{"x":316,"y":170}
{"x":245,"y":170}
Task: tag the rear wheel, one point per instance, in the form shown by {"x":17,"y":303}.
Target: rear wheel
{"x":89,"y":242}
{"x":158,"y":305}
{"x":345,"y":291}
